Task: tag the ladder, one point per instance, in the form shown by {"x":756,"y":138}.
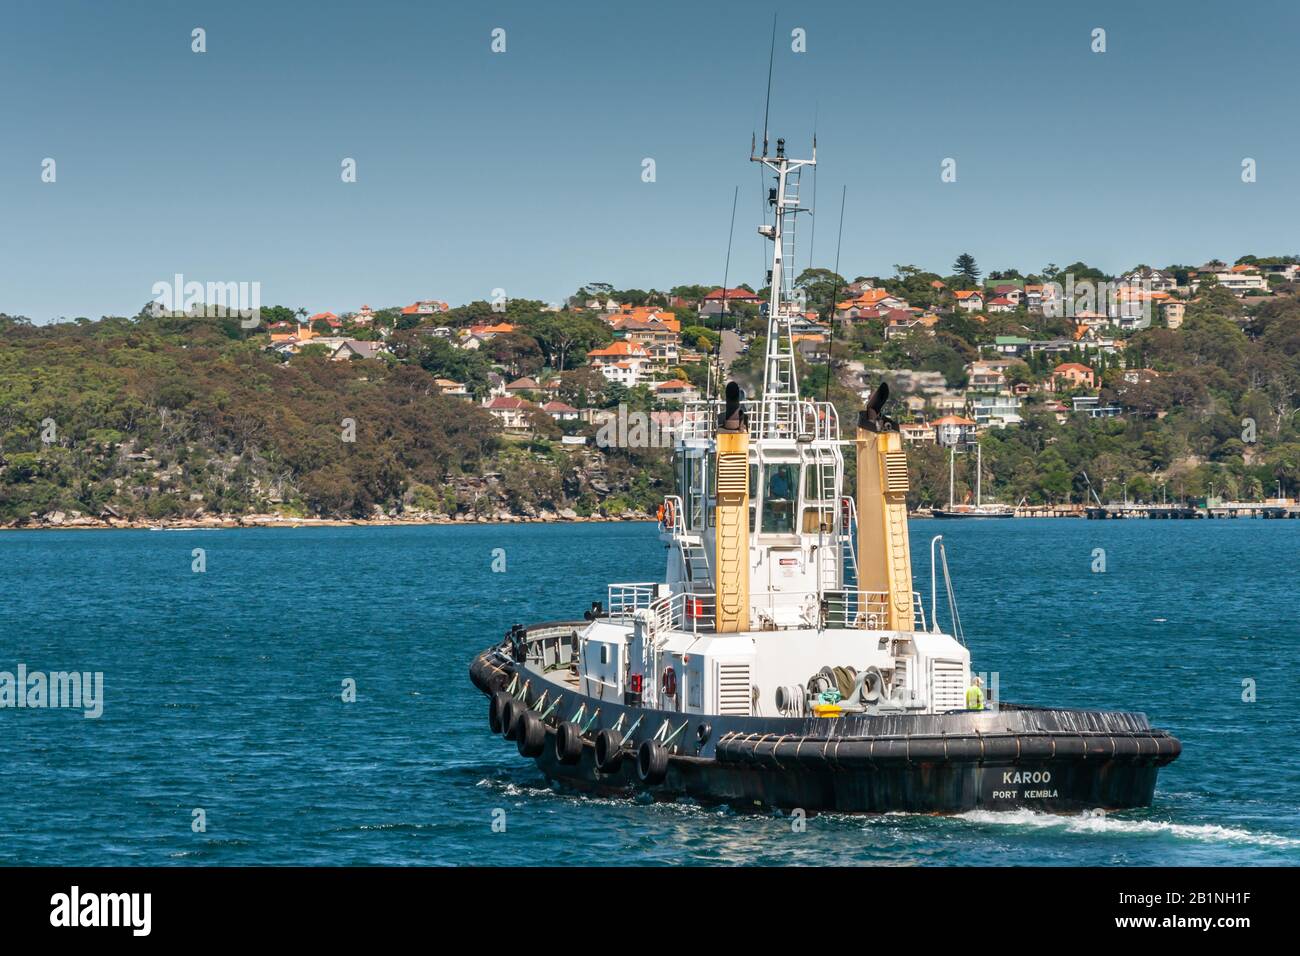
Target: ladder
{"x":848,"y":533}
{"x":824,"y":466}
{"x":696,"y":562}
{"x":788,"y":213}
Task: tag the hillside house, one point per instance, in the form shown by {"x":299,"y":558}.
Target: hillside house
{"x":718,"y":299}
{"x":917,"y":433}
{"x":426,"y":307}
{"x":513,"y":413}
{"x":452,"y":389}
{"x":953,"y":430}
{"x":676,"y":390}
{"x":996,"y":411}
{"x":1153,"y":280}
{"x":869,"y":300}
{"x":562,"y":412}
{"x":1070,"y":375}
{"x":354,"y":348}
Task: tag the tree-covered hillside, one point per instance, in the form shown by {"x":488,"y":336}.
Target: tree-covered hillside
{"x":172,"y":417}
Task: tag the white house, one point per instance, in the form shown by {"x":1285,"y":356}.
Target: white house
{"x":562,"y":412}
{"x":954,"y":430}
{"x":512,"y":413}
{"x":677,"y":390}
{"x":622,"y":361}
{"x":1240,"y":283}
{"x":996,"y":410}
{"x":1153,"y":280}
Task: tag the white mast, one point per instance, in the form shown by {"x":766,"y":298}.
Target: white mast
{"x":952,"y":472}
{"x":780,"y":381}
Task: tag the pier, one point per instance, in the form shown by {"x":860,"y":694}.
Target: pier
{"x":1185,"y":511}
{"x":1216,"y":509}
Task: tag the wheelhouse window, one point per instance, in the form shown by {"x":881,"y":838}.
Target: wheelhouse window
{"x":780,"y":493}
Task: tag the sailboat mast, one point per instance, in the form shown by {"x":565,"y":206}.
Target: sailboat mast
{"x":952,"y":472}
{"x":979,"y":470}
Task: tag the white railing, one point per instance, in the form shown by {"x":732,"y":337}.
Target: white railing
{"x":671,"y":519}
{"x":865,"y":610}
{"x":787,"y":419}
{"x":624,"y":600}
{"x":683,"y":611}
{"x":848,"y":608}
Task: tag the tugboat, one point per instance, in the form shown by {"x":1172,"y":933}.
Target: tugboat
{"x":785,"y":661}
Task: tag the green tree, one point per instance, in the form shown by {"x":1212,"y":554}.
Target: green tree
{"x":966,"y":267}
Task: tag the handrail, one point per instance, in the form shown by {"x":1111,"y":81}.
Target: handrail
{"x":937,"y":543}
{"x":672,"y":514}
{"x":624,"y":600}
{"x":793,"y":419}
{"x":848,"y":608}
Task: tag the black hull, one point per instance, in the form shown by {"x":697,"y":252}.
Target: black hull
{"x":941,"y":513}
{"x":1050,"y":760}
{"x":955,"y":788}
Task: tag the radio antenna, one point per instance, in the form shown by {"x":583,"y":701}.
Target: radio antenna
{"x":771,"y":58}
{"x":812,"y":234}
{"x":726,"y":277}
{"x":830,"y":345}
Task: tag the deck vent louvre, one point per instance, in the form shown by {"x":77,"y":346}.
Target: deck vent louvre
{"x":734,"y":693}
{"x":948,"y":686}
{"x":733,"y":473}
{"x":896,"y":472}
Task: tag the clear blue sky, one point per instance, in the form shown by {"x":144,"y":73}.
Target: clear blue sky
{"x":522,"y":170}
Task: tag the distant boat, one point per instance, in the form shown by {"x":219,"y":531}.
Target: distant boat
{"x":977,"y":510}
{"x":974,"y":511}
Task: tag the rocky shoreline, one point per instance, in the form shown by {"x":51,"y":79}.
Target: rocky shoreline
{"x":64,"y":521}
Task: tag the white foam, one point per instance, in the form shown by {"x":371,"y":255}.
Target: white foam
{"x":1096,"y":821}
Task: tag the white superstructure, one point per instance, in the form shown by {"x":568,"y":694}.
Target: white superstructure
{"x":821,"y":637}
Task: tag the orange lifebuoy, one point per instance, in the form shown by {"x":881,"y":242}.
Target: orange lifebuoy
{"x":670,"y":682}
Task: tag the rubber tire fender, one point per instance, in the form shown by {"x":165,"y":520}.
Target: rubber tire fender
{"x":530,"y":735}
{"x":651,"y":762}
{"x":496,"y":711}
{"x":514,"y":709}
{"x":568,"y":743}
{"x":609,"y":751}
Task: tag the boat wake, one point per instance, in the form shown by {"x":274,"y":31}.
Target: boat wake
{"x":1096,"y":822}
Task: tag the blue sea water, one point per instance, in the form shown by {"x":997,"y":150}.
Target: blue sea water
{"x":223,"y":692}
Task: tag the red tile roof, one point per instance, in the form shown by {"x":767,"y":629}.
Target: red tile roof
{"x":620,"y":348}
{"x":732,"y":294}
